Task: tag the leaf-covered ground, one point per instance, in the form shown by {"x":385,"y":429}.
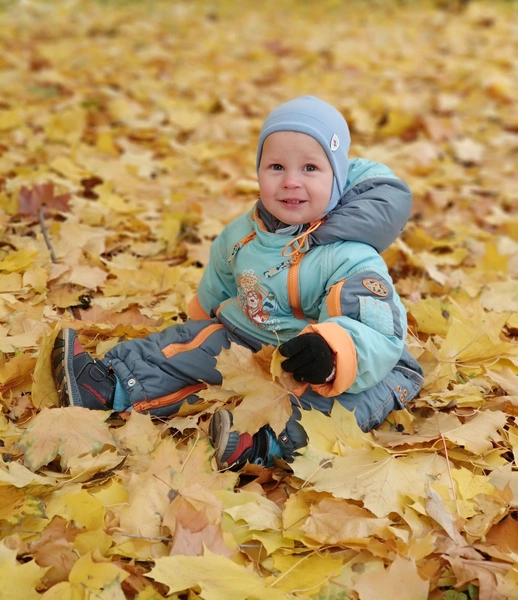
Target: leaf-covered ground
{"x":127,"y":138}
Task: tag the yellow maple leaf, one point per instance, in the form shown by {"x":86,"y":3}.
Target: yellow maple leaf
{"x":67,"y":125}
{"x":275,"y":366}
{"x":18,"y":261}
{"x":264,"y":401}
{"x":501,"y":296}
{"x":306,"y":573}
{"x":44,"y":393}
{"x":327,"y":432}
{"x":217,"y":576}
{"x":16,"y":504}
{"x":258,"y":512}
{"x":78,"y":506}
{"x":95,"y":540}
{"x":95,"y":575}
{"x":19,"y":581}
{"x":430,"y":316}
{"x":89,"y":579}
{"x":476,"y":435}
{"x":380,"y":480}
{"x":68,"y":168}
{"x":139,"y":434}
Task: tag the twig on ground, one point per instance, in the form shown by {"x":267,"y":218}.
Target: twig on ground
{"x":45,"y":232}
{"x":46,"y":237}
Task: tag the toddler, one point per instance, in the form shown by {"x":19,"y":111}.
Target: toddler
{"x":302,"y":269}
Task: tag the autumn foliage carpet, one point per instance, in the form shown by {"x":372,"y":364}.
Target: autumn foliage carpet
{"x":127,"y":142}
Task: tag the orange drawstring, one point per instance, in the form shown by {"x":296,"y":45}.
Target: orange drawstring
{"x":300,"y":244}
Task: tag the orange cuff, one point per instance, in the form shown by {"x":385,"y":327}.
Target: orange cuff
{"x":195,"y":310}
{"x":342,"y":345}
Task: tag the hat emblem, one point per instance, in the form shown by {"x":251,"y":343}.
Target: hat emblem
{"x":335,"y":143}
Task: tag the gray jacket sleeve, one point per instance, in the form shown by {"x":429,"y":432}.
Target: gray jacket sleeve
{"x":374,"y":211}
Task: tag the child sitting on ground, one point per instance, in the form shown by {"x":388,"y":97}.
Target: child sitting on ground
{"x":301,"y":269}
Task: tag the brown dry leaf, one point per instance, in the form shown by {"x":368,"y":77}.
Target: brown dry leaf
{"x":55,"y":549}
{"x":486,"y":573}
{"x":400,"y":580}
{"x":68,"y":432}
{"x":41,"y":196}
{"x":334,"y":522}
{"x":188,"y":543}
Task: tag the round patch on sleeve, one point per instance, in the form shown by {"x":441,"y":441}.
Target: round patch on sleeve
{"x":376,"y":287}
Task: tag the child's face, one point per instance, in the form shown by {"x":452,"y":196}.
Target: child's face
{"x":295,"y":177}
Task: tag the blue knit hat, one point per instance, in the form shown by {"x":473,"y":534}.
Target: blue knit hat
{"x":322,"y":122}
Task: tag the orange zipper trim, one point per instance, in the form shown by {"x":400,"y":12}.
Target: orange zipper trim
{"x":334,"y":306}
{"x":243,"y":242}
{"x":196,"y":342}
{"x":169,"y":399}
{"x":258,"y":220}
{"x":293,"y":287}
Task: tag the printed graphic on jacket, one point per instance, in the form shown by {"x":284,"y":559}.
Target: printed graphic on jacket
{"x":256,"y":302}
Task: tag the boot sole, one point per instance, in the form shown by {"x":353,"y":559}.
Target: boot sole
{"x":219,"y":430}
{"x":62,"y":367}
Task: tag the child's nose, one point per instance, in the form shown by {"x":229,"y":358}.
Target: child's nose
{"x":291,"y":180}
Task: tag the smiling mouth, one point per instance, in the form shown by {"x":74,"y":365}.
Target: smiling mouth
{"x":292,"y":202}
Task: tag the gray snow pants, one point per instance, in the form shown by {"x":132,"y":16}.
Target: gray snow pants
{"x":163,"y":370}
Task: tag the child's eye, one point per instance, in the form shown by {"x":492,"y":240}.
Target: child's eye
{"x":276,"y":167}
{"x":310,"y":168}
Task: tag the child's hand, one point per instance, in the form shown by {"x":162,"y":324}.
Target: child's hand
{"x":309,"y":358}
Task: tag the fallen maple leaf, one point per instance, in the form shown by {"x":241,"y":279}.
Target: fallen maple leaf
{"x":41,"y":196}
{"x":44,"y":392}
{"x":89,"y":578}
{"x":381,"y":481}
{"x":401,"y":580}
{"x":275,"y":366}
{"x":334,"y":522}
{"x":486,"y":573}
{"x":67,"y":432}
{"x":19,"y":581}
{"x":264,"y":401}
{"x":55,"y":549}
{"x":218,"y":577}
{"x":304,"y":574}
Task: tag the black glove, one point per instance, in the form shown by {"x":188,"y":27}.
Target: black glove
{"x":310,"y":358}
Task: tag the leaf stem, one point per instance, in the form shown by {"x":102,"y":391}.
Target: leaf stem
{"x":449,"y":473}
{"x":292,"y":567}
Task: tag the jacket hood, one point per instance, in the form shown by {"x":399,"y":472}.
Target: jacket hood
{"x":374,"y":210}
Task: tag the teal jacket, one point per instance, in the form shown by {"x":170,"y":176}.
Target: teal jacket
{"x":268,"y":285}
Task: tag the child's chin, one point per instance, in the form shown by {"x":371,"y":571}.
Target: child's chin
{"x":290,"y":217}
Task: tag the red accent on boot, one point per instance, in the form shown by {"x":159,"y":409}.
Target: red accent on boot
{"x":245,"y":441}
{"x":78,"y":348}
{"x":94,"y":392}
